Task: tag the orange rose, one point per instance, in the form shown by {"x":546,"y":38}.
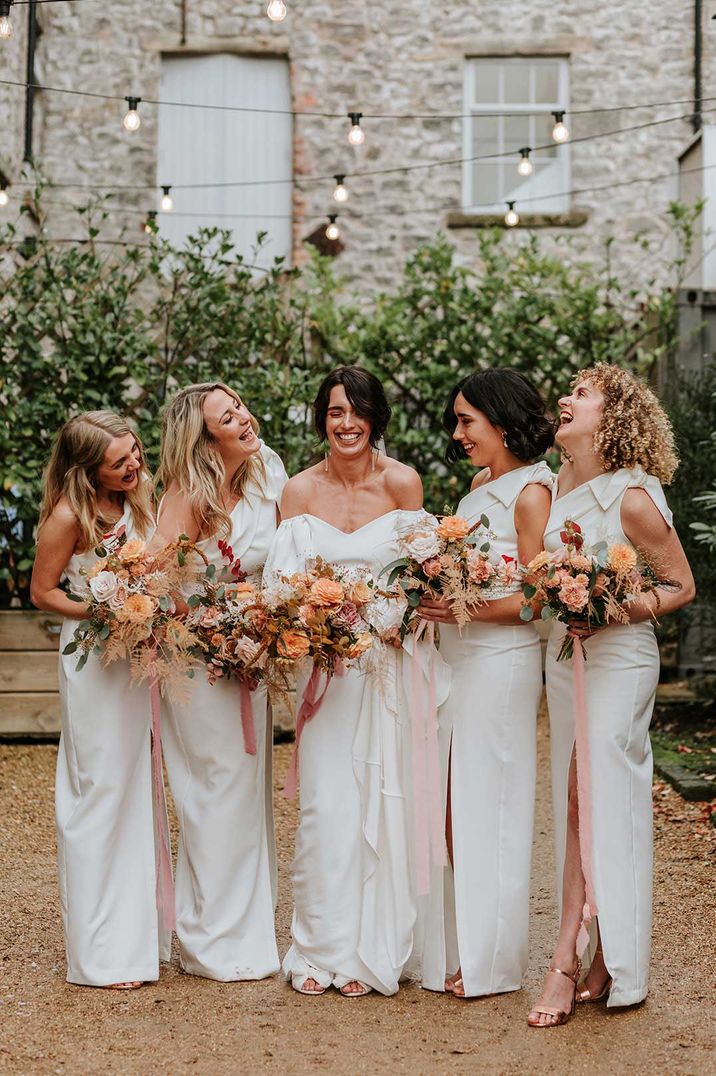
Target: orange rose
{"x":134,"y":549}
{"x":327,"y":592}
{"x":451,"y":528}
{"x":362,"y":643}
{"x":138,"y":607}
{"x":243,"y":590}
{"x":293,"y":644}
{"x":361,"y":593}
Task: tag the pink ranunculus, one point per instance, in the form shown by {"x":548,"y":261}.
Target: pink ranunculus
{"x":574,"y":595}
{"x":348,"y":614}
{"x":432,"y":567}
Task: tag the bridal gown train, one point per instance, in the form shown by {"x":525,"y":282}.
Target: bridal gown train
{"x":225,"y":875}
{"x":476,"y":915}
{"x":104,"y":814}
{"x":621,"y":674}
{"x":354,"y":908}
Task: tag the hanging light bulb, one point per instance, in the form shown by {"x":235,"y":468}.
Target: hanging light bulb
{"x":132,"y":121}
{"x":340,"y":194}
{"x":150,"y":224}
{"x":276,"y":10}
{"x":4,"y":196}
{"x":356,"y":135}
{"x":166,"y":203}
{"x":5,"y":24}
{"x":525,"y":167}
{"x":511,"y":216}
{"x":332,"y":231}
{"x":559,"y":131}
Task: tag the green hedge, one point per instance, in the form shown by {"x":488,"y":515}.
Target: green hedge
{"x":90,"y":325}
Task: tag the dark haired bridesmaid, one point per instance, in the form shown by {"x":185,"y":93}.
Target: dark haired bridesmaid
{"x":476,"y":922}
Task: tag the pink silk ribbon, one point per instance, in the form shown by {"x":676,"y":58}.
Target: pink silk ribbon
{"x":310,"y":705}
{"x":427,"y":799}
{"x":247,"y":718}
{"x":165,"y":880}
{"x":584,"y":793}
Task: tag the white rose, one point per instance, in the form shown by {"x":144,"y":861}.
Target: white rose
{"x":422,"y":545}
{"x":386,"y":614}
{"x":246,"y":649}
{"x":104,"y":586}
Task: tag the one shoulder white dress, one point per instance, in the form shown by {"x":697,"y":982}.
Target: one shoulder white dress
{"x":621,"y":675}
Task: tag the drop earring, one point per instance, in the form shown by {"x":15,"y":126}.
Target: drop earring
{"x":325,"y":460}
{"x":373,"y":456}
{"x":504,"y":438}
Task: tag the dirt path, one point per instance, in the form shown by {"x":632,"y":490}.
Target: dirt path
{"x":187,"y":1024}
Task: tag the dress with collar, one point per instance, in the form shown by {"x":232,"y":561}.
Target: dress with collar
{"x":476,"y":915}
{"x":621,"y":674}
{"x":225,"y":875}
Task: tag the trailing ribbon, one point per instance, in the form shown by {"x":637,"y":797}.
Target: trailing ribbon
{"x":310,"y":706}
{"x":584,"y":793}
{"x":165,"y":880}
{"x":247,"y":718}
{"x":429,"y":822}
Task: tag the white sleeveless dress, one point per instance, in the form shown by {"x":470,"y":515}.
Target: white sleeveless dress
{"x":476,"y":916}
{"x":103,"y":808}
{"x":225,"y":874}
{"x":354,"y":908}
{"x":621,"y":675}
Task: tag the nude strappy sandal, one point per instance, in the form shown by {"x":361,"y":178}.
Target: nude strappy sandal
{"x":561,"y":1016}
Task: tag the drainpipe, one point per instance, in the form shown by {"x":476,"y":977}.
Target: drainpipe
{"x":696,"y":120}
{"x":30,"y":77}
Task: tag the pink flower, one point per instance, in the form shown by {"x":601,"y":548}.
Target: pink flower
{"x":432,"y":567}
{"x":479,"y":569}
{"x":574,"y":594}
{"x":348,"y":614}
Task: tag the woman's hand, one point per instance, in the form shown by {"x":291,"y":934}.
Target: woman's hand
{"x":437,"y":610}
{"x":582,"y":629}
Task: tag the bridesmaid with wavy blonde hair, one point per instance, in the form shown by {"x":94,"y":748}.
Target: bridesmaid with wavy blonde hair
{"x":96,"y":485}
{"x":221,"y":482}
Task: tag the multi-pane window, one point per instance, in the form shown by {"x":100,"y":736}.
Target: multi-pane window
{"x":509,"y":106}
{"x":227,"y":154}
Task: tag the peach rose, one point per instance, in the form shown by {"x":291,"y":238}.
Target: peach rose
{"x":361,"y":593}
{"x":432,"y":567}
{"x":293,"y":644}
{"x":363,"y":642}
{"x":137,"y":607}
{"x":134,"y":549}
{"x":327,"y":592}
{"x":621,"y":558}
{"x":581,"y":563}
{"x":451,"y":528}
{"x":479,"y":569}
{"x":540,"y":561}
{"x":574,"y":594}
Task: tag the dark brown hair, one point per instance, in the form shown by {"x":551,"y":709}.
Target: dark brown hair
{"x":366,"y":395}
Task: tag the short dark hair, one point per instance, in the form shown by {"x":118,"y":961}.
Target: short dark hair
{"x":366,"y":395}
{"x":506,"y":399}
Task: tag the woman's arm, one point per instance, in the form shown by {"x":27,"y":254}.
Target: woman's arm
{"x":659,"y":544}
{"x":56,"y":542}
{"x":531,"y":515}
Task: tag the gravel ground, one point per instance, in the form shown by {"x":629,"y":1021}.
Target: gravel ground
{"x":183,"y":1023}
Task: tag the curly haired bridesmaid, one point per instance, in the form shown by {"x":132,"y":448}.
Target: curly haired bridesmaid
{"x":619,"y":448}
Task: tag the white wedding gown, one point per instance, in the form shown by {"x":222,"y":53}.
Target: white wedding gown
{"x":104,"y":814}
{"x":476,"y":916}
{"x":621,"y":674}
{"x":353,"y":891}
{"x":225,"y":875}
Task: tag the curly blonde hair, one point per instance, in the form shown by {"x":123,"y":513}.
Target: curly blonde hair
{"x":634,"y":429}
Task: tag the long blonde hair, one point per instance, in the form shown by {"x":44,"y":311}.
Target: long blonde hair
{"x":77,"y":452}
{"x":189,"y":459}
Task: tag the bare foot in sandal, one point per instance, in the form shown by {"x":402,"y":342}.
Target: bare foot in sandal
{"x":123,"y":986}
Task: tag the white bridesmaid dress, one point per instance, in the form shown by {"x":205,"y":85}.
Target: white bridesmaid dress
{"x":621,"y":675}
{"x":476,"y":915}
{"x":354,"y":908}
{"x":104,"y":814}
{"x":226,"y":870}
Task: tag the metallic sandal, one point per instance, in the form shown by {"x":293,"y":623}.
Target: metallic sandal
{"x":560,"y":1015}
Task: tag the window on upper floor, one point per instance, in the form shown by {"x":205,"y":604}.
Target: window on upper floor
{"x":509,"y":104}
{"x":203,"y":146}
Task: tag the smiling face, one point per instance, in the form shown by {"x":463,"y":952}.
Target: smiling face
{"x":228,"y":422}
{"x":348,"y":434}
{"x":120,"y":466}
{"x":580,"y":414}
{"x":481,"y":440}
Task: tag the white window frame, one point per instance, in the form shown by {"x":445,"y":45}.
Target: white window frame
{"x":473,"y":108}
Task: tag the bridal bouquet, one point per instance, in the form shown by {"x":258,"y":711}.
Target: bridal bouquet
{"x":590,"y":585}
{"x":451,"y":559}
{"x":319,"y":613}
{"x":227,"y":617}
{"x":132,"y":613}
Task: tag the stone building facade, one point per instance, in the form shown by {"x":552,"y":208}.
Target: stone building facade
{"x":389,"y":61}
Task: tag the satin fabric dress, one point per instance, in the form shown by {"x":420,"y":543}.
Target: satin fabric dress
{"x":104,"y":813}
{"x":476,"y":915}
{"x":621,"y":675}
{"x":354,"y":907}
{"x":225,"y":873}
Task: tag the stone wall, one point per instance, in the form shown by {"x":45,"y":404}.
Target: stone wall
{"x":373,"y":56}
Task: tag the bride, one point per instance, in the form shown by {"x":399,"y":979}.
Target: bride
{"x":354,"y":911}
